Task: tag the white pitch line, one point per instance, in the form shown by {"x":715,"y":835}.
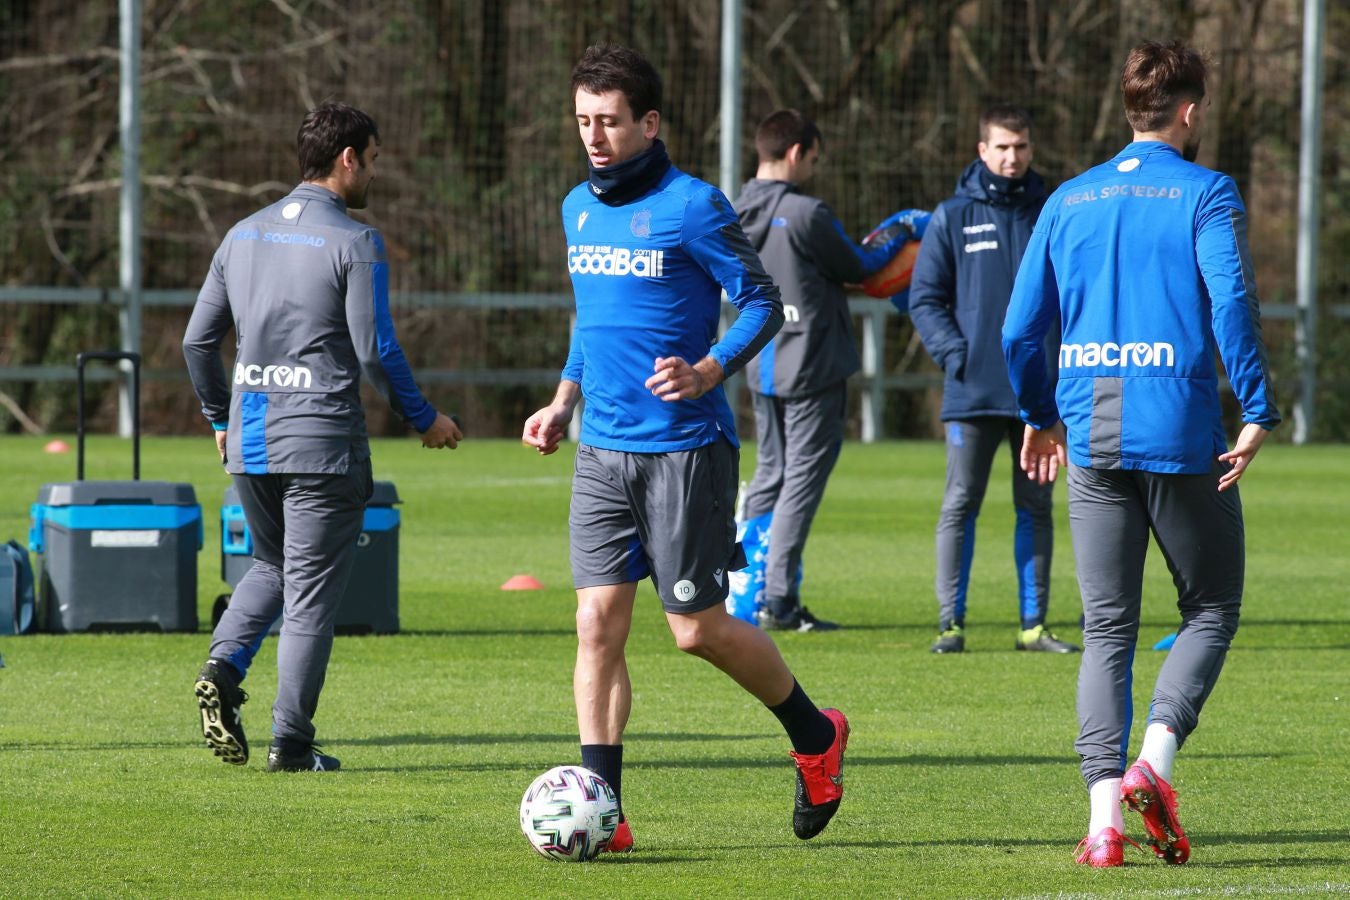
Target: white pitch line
{"x":1320,"y":890}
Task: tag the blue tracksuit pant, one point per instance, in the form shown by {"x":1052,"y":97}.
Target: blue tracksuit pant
{"x":971,"y":447}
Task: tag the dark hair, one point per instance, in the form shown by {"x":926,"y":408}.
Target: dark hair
{"x":1157,"y":78}
{"x":780,"y":130}
{"x":1004,"y":115}
{"x":611,"y":67}
{"x":328,"y":129}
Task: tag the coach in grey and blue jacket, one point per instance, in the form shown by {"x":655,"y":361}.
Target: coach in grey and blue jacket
{"x":306,"y":290}
{"x":799,"y":378}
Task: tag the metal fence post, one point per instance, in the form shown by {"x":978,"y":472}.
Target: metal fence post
{"x":1309,"y":201}
{"x":873,"y":355}
{"x":129,"y":219}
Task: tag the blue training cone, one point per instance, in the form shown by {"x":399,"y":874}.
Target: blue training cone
{"x":1166,"y":643}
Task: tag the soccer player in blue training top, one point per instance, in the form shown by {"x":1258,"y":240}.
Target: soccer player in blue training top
{"x":800,"y":380}
{"x":962,"y":280}
{"x":306,"y":289}
{"x":650,"y":250}
{"x":1144,"y":260}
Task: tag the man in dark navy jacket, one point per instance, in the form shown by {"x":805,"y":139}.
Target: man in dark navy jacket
{"x":962,"y":280}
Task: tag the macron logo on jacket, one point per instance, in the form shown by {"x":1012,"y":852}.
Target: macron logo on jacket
{"x":273,"y":376}
{"x":1092,"y":354}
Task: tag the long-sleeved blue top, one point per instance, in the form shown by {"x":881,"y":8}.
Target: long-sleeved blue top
{"x":1145,"y":259}
{"x":648,"y":278}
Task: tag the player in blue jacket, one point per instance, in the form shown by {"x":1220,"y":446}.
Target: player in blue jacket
{"x":957,"y":299}
{"x":650,"y":250}
{"x":1144,"y":261}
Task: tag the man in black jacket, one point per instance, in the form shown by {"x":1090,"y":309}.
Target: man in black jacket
{"x":958,"y":297}
{"x":798,"y":381}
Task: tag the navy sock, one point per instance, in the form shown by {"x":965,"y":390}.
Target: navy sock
{"x":606,"y":760}
{"x":808,"y":728}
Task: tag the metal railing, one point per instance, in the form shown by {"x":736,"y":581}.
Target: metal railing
{"x":876,"y":380}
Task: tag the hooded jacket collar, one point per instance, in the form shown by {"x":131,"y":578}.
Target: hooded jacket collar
{"x":757,"y":205}
{"x":978,"y":183}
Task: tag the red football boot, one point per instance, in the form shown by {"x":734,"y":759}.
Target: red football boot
{"x":820,"y":781}
{"x":1147,"y":794}
{"x":622,"y":842}
{"x":1102,"y":850}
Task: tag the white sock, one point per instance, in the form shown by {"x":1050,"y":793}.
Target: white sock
{"x":1160,"y":749}
{"x":1105,"y":798}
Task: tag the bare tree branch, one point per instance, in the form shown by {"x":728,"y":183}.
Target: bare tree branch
{"x":175,"y":183}
{"x":49,"y":234}
{"x":17,"y":412}
{"x":911,"y":351}
{"x":194,"y":197}
{"x":789,"y":52}
{"x":16,"y":63}
{"x":150,"y":56}
{"x":967,"y":54}
{"x":195,"y":68}
{"x":867,"y":52}
{"x":767,"y":85}
{"x":63,"y":114}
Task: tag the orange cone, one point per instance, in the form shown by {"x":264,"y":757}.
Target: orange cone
{"x":522,"y":583}
{"x":57,"y":446}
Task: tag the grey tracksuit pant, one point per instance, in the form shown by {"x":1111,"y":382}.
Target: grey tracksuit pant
{"x":1200,"y":533}
{"x":304,"y":530}
{"x":971,"y":447}
{"x":799,"y":441}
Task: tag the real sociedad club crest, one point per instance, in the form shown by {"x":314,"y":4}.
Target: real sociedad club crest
{"x":641,"y":226}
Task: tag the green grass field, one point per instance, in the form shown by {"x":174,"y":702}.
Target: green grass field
{"x":962,"y":779}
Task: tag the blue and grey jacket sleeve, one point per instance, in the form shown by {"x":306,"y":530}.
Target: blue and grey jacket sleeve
{"x":932,"y":296}
{"x":211,"y":320}
{"x":719,"y":245}
{"x":1226,"y":266}
{"x":836,"y":254}
{"x":1032,"y":311}
{"x":372,"y":331}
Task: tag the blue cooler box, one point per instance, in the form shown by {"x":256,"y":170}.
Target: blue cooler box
{"x":116,"y":556}
{"x":370,"y":603}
